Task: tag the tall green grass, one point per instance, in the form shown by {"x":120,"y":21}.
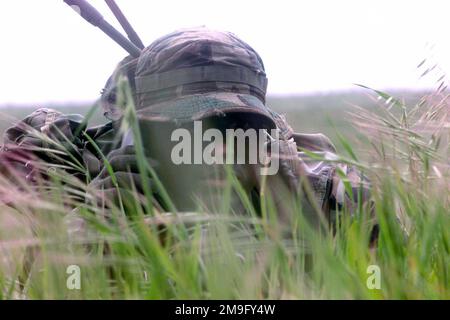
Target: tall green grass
{"x":132,"y":250}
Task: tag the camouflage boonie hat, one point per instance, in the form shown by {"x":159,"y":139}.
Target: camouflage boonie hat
{"x":195,"y":73}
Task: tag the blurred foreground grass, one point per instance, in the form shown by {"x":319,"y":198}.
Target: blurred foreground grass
{"x":224,"y":256}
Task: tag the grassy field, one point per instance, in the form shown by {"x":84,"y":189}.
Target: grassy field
{"x":400,"y":145}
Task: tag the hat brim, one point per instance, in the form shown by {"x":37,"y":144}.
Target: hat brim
{"x":200,"y":106}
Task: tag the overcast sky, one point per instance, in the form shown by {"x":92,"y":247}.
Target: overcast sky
{"x":49,"y":54}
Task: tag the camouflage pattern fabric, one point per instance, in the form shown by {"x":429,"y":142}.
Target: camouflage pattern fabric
{"x":190,"y":67}
{"x":192,"y":74}
{"x":33,"y":135}
{"x":201,"y":106}
{"x":108,"y":99}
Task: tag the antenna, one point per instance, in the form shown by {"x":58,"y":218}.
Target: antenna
{"x":131,"y":33}
{"x":90,"y":14}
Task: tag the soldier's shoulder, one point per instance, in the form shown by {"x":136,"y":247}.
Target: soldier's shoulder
{"x":316,"y":142}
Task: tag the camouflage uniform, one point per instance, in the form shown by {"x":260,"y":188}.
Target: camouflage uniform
{"x":197,"y":74}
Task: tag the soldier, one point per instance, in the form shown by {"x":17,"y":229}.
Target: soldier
{"x":199,"y":74}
